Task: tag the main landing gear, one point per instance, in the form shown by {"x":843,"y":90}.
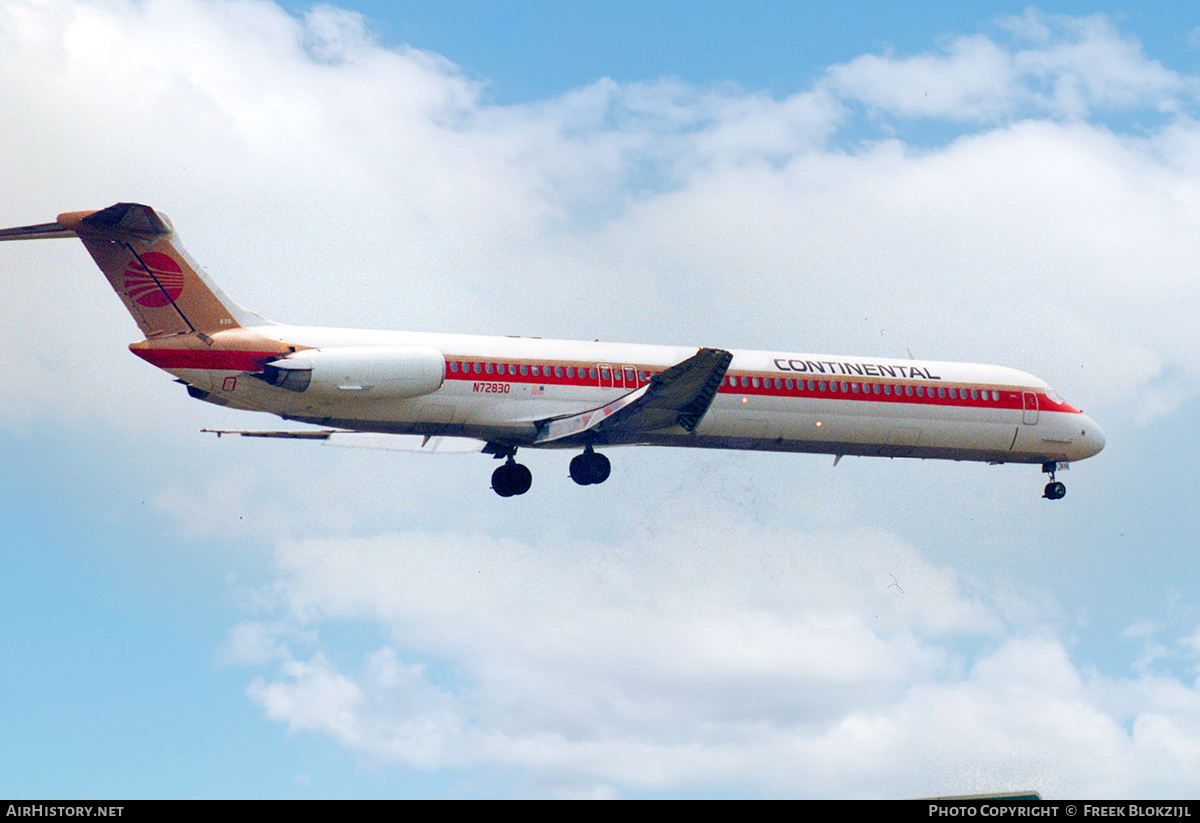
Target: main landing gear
{"x":1054,"y":489}
{"x":589,"y":468}
{"x":511,"y":479}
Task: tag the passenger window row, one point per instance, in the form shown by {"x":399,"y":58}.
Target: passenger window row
{"x":626,"y":375}
{"x":608,"y":373}
{"x":883,"y":389}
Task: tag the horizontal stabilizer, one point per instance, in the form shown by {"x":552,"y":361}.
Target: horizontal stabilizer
{"x":131,"y":219}
{"x":38,"y":232}
{"x":124,"y":218}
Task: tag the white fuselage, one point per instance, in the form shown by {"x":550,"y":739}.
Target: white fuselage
{"x":496,"y":388}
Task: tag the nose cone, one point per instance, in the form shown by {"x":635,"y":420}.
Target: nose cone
{"x":1091,"y":439}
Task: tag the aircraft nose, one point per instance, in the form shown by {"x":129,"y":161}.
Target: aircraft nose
{"x":1092,"y":437}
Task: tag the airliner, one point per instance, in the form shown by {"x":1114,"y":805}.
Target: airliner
{"x":497,"y":395}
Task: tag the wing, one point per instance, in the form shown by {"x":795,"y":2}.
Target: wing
{"x":679,"y":396}
{"x":367,"y":440}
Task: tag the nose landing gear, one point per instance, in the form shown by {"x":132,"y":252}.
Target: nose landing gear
{"x":589,"y":468}
{"x":1054,"y":489}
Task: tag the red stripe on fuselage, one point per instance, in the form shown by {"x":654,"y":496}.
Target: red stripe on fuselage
{"x":213,"y":359}
{"x":1010,"y":397}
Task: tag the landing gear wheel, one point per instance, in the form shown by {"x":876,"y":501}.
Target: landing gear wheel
{"x":522,"y":478}
{"x":600,"y":468}
{"x":578,"y":469}
{"x":511,"y":479}
{"x":589,"y":468}
{"x":500,"y":482}
{"x":1054,"y":489}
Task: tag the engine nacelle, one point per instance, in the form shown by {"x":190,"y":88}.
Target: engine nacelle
{"x":381,"y":372}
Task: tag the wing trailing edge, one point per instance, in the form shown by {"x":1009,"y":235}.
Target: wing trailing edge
{"x":679,"y":396}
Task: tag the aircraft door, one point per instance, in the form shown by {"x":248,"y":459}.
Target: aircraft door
{"x":1030,"y":405}
{"x":617,"y":377}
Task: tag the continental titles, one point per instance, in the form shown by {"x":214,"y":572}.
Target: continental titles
{"x":861,"y":369}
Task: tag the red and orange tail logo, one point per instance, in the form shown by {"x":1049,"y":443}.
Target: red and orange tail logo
{"x":154,"y":280}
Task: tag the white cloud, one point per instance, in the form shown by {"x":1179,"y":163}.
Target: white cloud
{"x":580,"y":655}
{"x":973,"y":80}
{"x":784,"y":662}
{"x":393,"y":712}
{"x":1058,"y":66}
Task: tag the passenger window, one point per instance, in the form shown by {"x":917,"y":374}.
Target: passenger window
{"x":570,"y":371}
{"x":558,"y":371}
{"x":488,"y":368}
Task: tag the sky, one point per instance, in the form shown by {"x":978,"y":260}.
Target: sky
{"x":192,"y":617}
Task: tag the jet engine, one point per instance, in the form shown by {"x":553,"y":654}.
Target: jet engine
{"x":390,"y":372}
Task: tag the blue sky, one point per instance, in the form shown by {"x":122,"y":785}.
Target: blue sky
{"x":186,"y":617}
{"x":531,"y":50}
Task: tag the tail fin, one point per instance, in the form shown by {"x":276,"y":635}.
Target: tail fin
{"x":139,"y":253}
